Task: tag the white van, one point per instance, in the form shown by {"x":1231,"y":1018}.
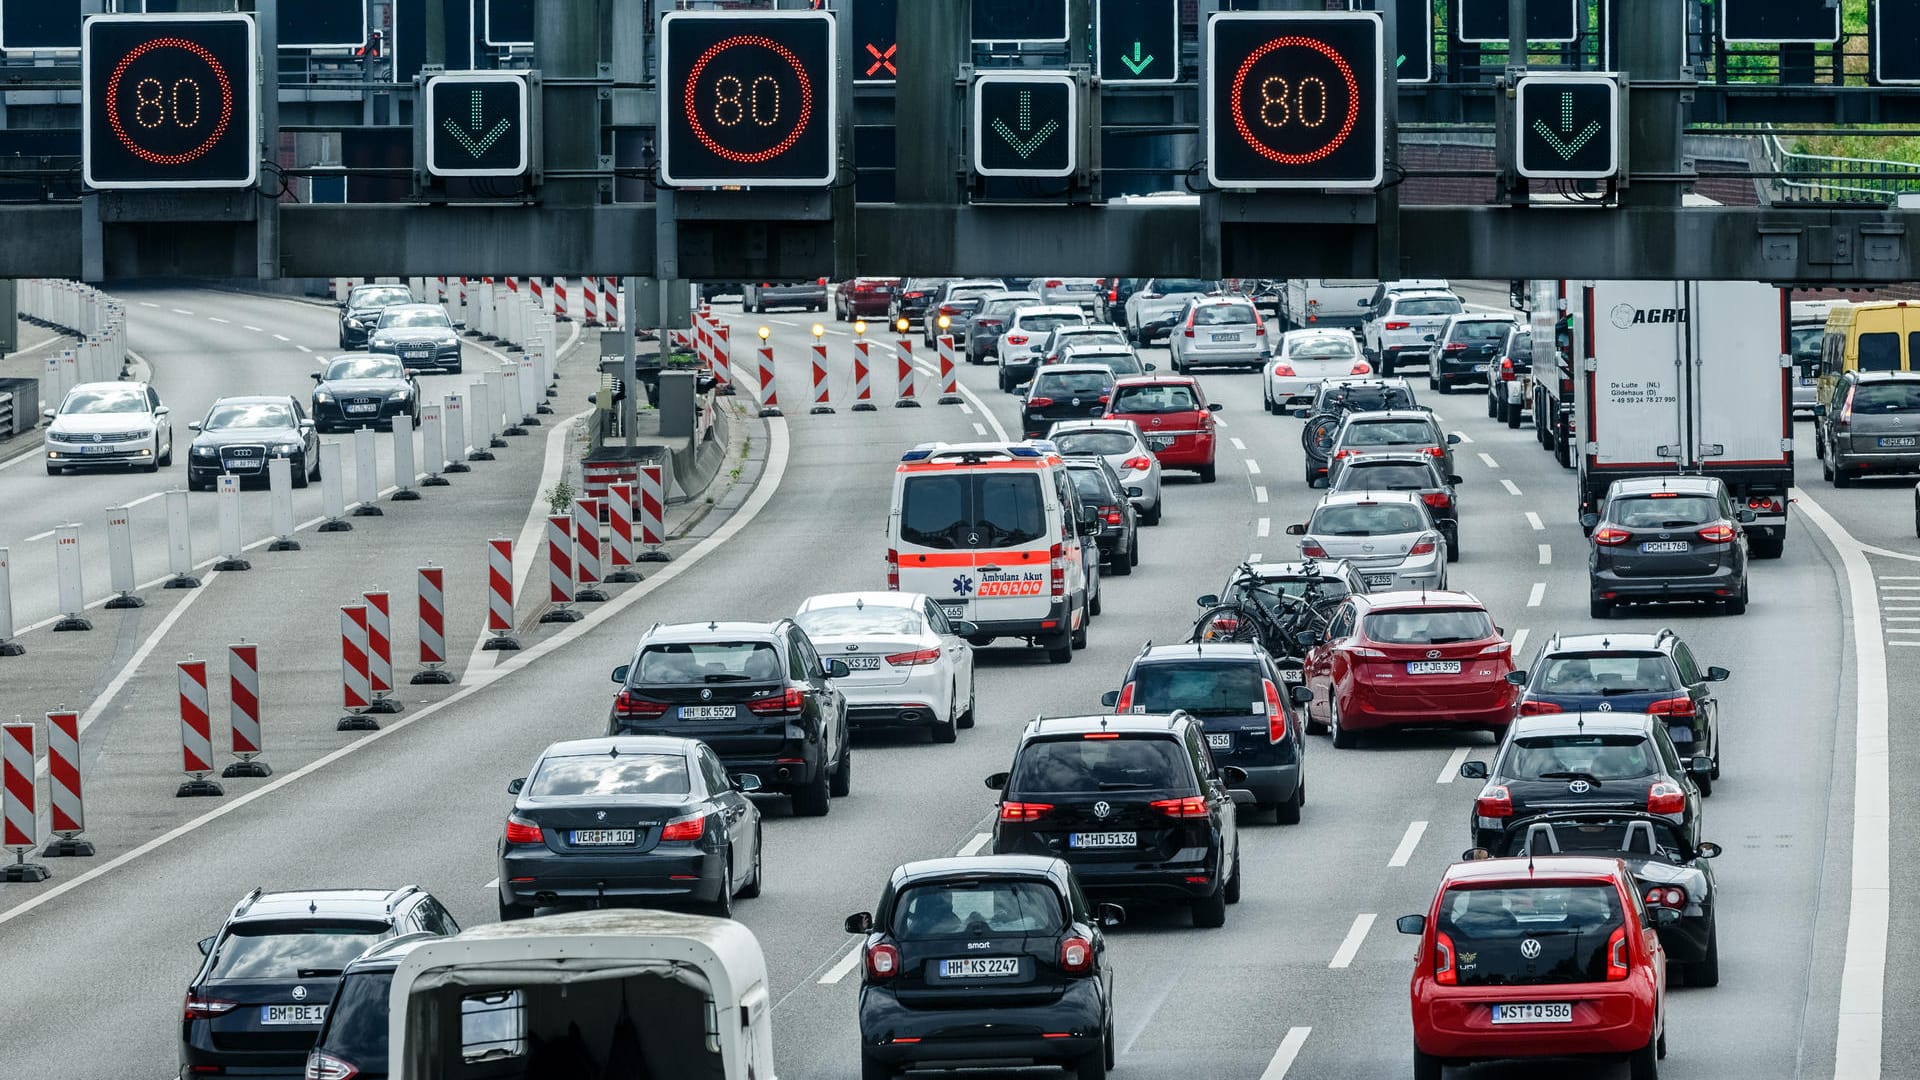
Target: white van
{"x":992,"y":532}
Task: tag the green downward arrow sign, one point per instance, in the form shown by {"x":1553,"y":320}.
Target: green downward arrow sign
{"x":1025,"y":148}
{"x":1571,"y":143}
{"x":1134,"y":63}
{"x":477,"y":143}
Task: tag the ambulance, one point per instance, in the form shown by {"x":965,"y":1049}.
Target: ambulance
{"x":993,"y":532}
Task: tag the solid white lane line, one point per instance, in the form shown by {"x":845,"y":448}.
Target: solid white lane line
{"x":1260,"y":494}
{"x":1519,"y":641}
{"x":1263,"y":528}
{"x":1283,"y":1057}
{"x":37,"y":537}
{"x":973,"y":846}
{"x":979,"y":429}
{"x":1488,"y":458}
{"x":1512,"y":488}
{"x":1350,"y":945}
{"x":1408,"y":842}
{"x":1253,"y":467}
{"x":1534,"y":522}
{"x":1537,"y":594}
{"x":1546,"y":554}
{"x":1237,"y":444}
{"x":842,"y":967}
{"x":1452,"y":767}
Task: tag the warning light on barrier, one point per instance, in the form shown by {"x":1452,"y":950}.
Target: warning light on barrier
{"x":945,"y":322}
{"x":764,"y":333}
{"x":818,"y":329}
{"x":860,"y":326}
{"x":901,"y":324}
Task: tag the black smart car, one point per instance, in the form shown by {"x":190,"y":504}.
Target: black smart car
{"x":985,"y":960}
{"x":1667,"y":538}
{"x":240,"y":435}
{"x":1135,"y":803}
{"x":1103,"y":496}
{"x":757,"y":693}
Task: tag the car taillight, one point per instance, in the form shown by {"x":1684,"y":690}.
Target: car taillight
{"x":883,"y":961}
{"x":1126,"y":699}
{"x":522,"y":831}
{"x":1610,"y":536}
{"x":1342,"y":454}
{"x":1057,"y":564}
{"x":1017,"y":339}
{"x":1666,"y":797}
{"x":893,"y":570}
{"x":1436,"y":498}
{"x":1506,"y":369}
{"x":790,"y":702}
{"x":1617,"y":958}
{"x":1224,"y":624}
{"x":1846,"y":410}
{"x":1361,"y":367}
{"x":1276,"y":717}
{"x":1668,"y":896}
{"x":1188,"y":332}
{"x":1721,"y":533}
{"x":914,"y":294}
{"x":949,"y":309}
{"x":1765,"y":505}
{"x":1494,"y":802}
{"x":1113,"y":295}
{"x":1312,"y":550}
{"x":1053,"y":284}
{"x":1498,"y":648}
{"x":1283,"y":370}
{"x":1424,"y":547}
{"x":1539,"y":708}
{"x":1024,"y":811}
{"x":1397,"y":325}
{"x":1110,"y":515}
{"x":1138,"y":464}
{"x":1675,"y":706}
{"x":1453,"y":346}
{"x":200,"y":1007}
{"x":1076,"y":956}
{"x":1366,"y":653}
{"x":914,"y":659}
{"x":1443,"y":972}
{"x":691,"y":827}
{"x":628,"y":705}
{"x":1039,"y":402}
{"x":324,"y":1066}
{"x":1193,"y":806}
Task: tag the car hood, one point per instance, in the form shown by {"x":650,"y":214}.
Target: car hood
{"x":105,"y":423}
{"x":247,"y":436}
{"x":365,"y":386}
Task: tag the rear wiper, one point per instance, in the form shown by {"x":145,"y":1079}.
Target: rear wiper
{"x":726,"y":676}
{"x":1588,"y":777}
{"x":316,"y":973}
{"x":1678,"y":524}
{"x":1448,"y":640}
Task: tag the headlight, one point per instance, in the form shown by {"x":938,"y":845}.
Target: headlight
{"x":402,"y":395}
{"x":57,"y":436}
{"x":288,"y":448}
{"x":322,"y":395}
{"x":205,"y":451}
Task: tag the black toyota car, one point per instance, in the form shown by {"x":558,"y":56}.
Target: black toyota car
{"x":240,"y":435}
{"x":985,"y":960}
{"x":1135,"y":803}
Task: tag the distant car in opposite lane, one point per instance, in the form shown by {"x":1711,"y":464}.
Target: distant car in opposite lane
{"x":761,"y":297}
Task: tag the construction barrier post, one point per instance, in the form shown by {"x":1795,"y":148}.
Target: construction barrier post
{"x":482,"y":416}
{"x":404,"y":473}
{"x":380,"y":652}
{"x":500,"y":597}
{"x":356,"y":676}
{"x":611,"y":301}
{"x":650,"y":513}
{"x":119,"y":562}
{"x":590,"y":300}
{"x":560,"y":570}
{"x":453,"y":429}
{"x":530,"y":395}
{"x":769,"y":397}
{"x":333,"y":490}
{"x":722,"y":360}
{"x":508,"y":389}
{"x":620,"y":531}
{"x":196,"y":732}
{"x":243,"y":712}
{"x":73,"y":593}
{"x":822,"y":397}
{"x":433,"y":628}
{"x":904,"y":350}
{"x":21,"y":829}
{"x":180,"y":543}
{"x":8,"y":646}
{"x":229,"y":498}
{"x":280,"y":485}
{"x":949,"y":381}
{"x":432,"y":444}
{"x":64,"y":797}
{"x":862,"y":370}
{"x":366,"y":473}
{"x":586,"y":551}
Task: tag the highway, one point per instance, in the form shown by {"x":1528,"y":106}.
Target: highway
{"x":1307,"y":979}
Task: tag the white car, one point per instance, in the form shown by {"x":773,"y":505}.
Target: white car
{"x":1018,"y":350}
{"x":1305,"y":359}
{"x":911,"y":665}
{"x":113,"y":425}
{"x":1120,"y":442}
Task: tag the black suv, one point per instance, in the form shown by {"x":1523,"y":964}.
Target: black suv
{"x":1105,"y":497}
{"x":757,"y":693}
{"x":985,"y":959}
{"x":1416,"y":473}
{"x":1244,"y":705}
{"x":1065,"y":392}
{"x":1505,"y":400}
{"x":1466,"y":350}
{"x":269,"y":975}
{"x":353,"y":1040}
{"x":1654,"y":674}
{"x":1667,"y":538}
{"x":1586,"y":761}
{"x":1135,"y":803}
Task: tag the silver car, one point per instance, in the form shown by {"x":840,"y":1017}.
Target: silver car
{"x":1120,"y":442}
{"x":1219,"y":330}
{"x":1398,"y":331}
{"x":1388,"y":537}
{"x":1119,"y":359}
{"x":760,"y":297}
{"x":1153,"y":311}
{"x":1413,"y":431}
{"x":1053,"y":349}
{"x":1089,"y":293}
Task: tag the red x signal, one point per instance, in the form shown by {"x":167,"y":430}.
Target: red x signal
{"x":882,"y":59}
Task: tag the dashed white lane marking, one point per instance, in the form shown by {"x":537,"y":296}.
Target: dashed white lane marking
{"x":1415,"y":830}
{"x":143,"y":303}
{"x":1254,"y":557}
{"x":1253,"y":467}
{"x":1899,"y":577}
{"x":1900,"y":618}
{"x":973,"y":846}
{"x":1263,"y":528}
{"x":842,"y":967}
{"x":1350,"y":945}
{"x":966,"y":409}
{"x":181,"y":311}
{"x":492,"y":885}
{"x":1219,"y":423}
{"x":1283,"y":1057}
{"x":1546,"y":554}
{"x":281,"y":337}
{"x":1901,"y":588}
{"x":1905,"y":644}
{"x":1452,"y":768}
{"x":255,"y":329}
{"x":1260,"y":494}
{"x":218,"y":319}
{"x":1537,"y":594}
{"x":1534,"y":522}
{"x":1237,"y":444}
{"x":1519,"y":642}
{"x":1488,"y":458}
{"x":979,"y":428}
{"x":1901,"y":630}
{"x":1512,"y":488}
{"x":37,"y":537}
{"x":303,"y":348}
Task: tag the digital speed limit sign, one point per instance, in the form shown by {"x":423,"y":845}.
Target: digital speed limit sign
{"x":170,"y":101}
{"x":747,"y":99}
{"x":1294,"y":100}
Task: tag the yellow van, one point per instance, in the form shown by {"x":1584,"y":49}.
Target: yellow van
{"x":1879,"y":336}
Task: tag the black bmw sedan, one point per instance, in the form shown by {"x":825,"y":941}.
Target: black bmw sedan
{"x":240,"y":435}
{"x":364,"y":389}
{"x":631,"y":819}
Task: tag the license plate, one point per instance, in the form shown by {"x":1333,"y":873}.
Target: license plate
{"x":862,"y":663}
{"x":363,"y":408}
{"x":293,"y":1014}
{"x":980,"y":967}
{"x":1897,"y":440}
{"x":1481,"y":367}
{"x":1433,"y":667}
{"x":1288,"y":675}
{"x":1534,"y":1012}
{"x":1226,"y":337}
{"x":90,"y":449}
{"x":1220,"y":740}
{"x":1159,"y":442}
{"x":954,"y":611}
{"x":1374,"y":581}
{"x":416,"y":354}
{"x":601,"y":837}
{"x":708,"y":712}
{"x":1102,"y":839}
{"x":1664,"y":547}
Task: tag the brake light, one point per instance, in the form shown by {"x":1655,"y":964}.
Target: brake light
{"x":1453,"y":346}
{"x":1039,"y":402}
{"x":1101,"y":735}
{"x":1259,"y":324}
{"x":912,"y":293}
{"x":1126,"y":699}
{"x":1076,"y":956}
{"x":914,"y":659}
{"x":1361,"y":367}
{"x":790,"y":702}
{"x":1424,"y":547}
{"x":1110,"y":515}
{"x":628,"y":705}
{"x":1666,"y":797}
{"x":1188,"y":332}
{"x":1765,"y":505}
{"x":893,"y":570}
{"x":1668,"y":896}
{"x":199,"y":1007}
{"x":522,"y":831}
{"x":1363,"y":651}
{"x":1397,"y":325}
{"x":1494,"y":802}
{"x":883,"y":961}
{"x":1113,"y":295}
{"x":1024,"y":811}
{"x":1283,"y":369}
{"x":1721,"y":533}
{"x":1016,"y":339}
{"x":1276,"y":719}
{"x":324,"y":1066}
{"x":1312,"y":549}
{"x":1539,"y":708}
{"x":1498,"y":648}
{"x":1225,"y":624}
{"x":1104,"y":398}
{"x":1846,"y":410}
{"x":1618,"y":966}
{"x":1506,"y":369}
{"x":1609,"y":536}
{"x":1139,"y":464}
{"x":1676,"y":706}
{"x":691,"y":827}
{"x":1443,"y":972}
{"x":1054,"y":284}
{"x":1057,"y":563}
{"x":1342,"y":454}
{"x":1436,"y":498}
{"x":1193,"y":806}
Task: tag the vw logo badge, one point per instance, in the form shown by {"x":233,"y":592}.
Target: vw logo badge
{"x":1156,"y":421}
{"x":1579,"y":787}
{"x":1433,"y":654}
{"x":96,"y":438}
{"x":1605,"y":706}
{"x":706,"y":695}
{"x":299,"y":993}
{"x":1101,"y":809}
{"x":1530,"y":948}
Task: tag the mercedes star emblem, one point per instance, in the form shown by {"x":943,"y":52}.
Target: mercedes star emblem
{"x":1530,"y":949}
{"x":1433,"y":654}
{"x":1101,"y":809}
{"x":706,"y":695}
{"x":299,"y":993}
{"x":973,"y":539}
{"x":1579,"y":787}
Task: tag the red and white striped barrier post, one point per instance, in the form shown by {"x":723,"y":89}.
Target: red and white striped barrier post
{"x":904,"y":350}
{"x":949,"y":382}
{"x":432,"y":608}
{"x":590,"y":300}
{"x":65,"y":801}
{"x":196,"y":732}
{"x":560,"y":570}
{"x":21,"y":829}
{"x":702,"y":340}
{"x":822,"y":395}
{"x":500,"y":597}
{"x":610,"y":300}
{"x":650,"y":511}
{"x":539,"y":293}
{"x":380,"y":652}
{"x":620,"y":534}
{"x":356,"y":671}
{"x":560,"y":299}
{"x":586,"y":551}
{"x":769,"y":399}
{"x":722,"y":360}
{"x":862,"y":369}
{"x":243,"y":711}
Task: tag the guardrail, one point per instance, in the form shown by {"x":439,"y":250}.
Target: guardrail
{"x":1819,"y":178}
{"x":97,"y":323}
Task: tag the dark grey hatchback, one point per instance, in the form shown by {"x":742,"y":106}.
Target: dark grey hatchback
{"x":1667,"y":538}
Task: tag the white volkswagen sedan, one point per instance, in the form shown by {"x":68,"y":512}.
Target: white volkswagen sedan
{"x":911,"y":665}
{"x":109,"y":425}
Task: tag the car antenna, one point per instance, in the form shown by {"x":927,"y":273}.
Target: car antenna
{"x":860,"y":604}
{"x":614,"y":750}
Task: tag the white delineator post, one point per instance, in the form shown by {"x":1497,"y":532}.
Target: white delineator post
{"x":229,"y":500}
{"x":180,"y":542}
{"x":8,"y":646}
{"x":333,"y":490}
{"x":73,"y":593}
{"x":403,"y":470}
{"x":366,"y":473}
{"x":453,"y":429}
{"x":119,"y":561}
{"x":280,"y":485}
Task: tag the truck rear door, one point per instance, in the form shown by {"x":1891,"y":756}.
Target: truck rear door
{"x":1744,"y":402}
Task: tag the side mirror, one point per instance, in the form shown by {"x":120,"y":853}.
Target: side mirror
{"x":1207,"y":599}
{"x":1110,"y":915}
{"x":1706,"y":849}
{"x":1664,"y":916}
{"x":1299,"y":529}
{"x":1136,"y":492}
{"x":620,"y":673}
{"x":1303,"y":695}
{"x":1233,"y":774}
{"x":1718,"y":674}
{"x":838,"y":669}
{"x":1456,"y":480}
{"x":745,"y":782}
{"x":316,"y":377}
{"x":1517,"y":678}
{"x":859,"y":923}
{"x":1148,"y":367}
{"x":515,"y":786}
{"x":193,"y":426}
{"x":1700,"y":765}
{"x":163,"y":410}
{"x":206,"y":945}
{"x":962,"y":628}
{"x":1475,"y":854}
{"x":1306,"y":639}
{"x":306,"y":424}
{"x":46,"y":414}
{"x":998,"y":781}
{"x":1589,"y":521}
{"x":1426,"y":337}
{"x":1303,"y":413}
{"x":1473,"y":770}
{"x":1109,"y":699}
{"x":1453,"y":438}
{"x":1215,"y":406}
{"x":1411,"y":924}
{"x":459,"y":324}
{"x":1746,"y":517}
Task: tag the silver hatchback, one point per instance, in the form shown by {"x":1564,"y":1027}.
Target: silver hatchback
{"x":1874,"y":429}
{"x":1387,"y":536}
{"x":1120,"y":442}
{"x":1219,"y":330}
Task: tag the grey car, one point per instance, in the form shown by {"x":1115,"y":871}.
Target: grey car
{"x":1089,"y":293}
{"x":1119,"y":359}
{"x":1416,"y":473}
{"x":1805,"y":350}
{"x":1053,"y":349}
{"x":1661,"y":538}
{"x":959,"y":301}
{"x":1153,"y":311}
{"x":761,"y":297}
{"x":1412,"y":430}
{"x":1876,"y":431}
{"x":1120,"y":442}
{"x":1388,"y":537}
{"x":1222,"y":331}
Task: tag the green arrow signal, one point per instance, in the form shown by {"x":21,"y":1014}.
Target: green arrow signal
{"x":1566,"y":147}
{"x":479,"y":145}
{"x":1026,"y":148}
{"x":1134,"y":63}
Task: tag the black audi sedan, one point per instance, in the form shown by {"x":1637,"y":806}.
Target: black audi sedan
{"x":364,"y":389}
{"x":1134,"y":803}
{"x":360,"y":312}
{"x":239,"y":435}
{"x":421,"y":335}
{"x":985,"y":960}
{"x":629,"y":820}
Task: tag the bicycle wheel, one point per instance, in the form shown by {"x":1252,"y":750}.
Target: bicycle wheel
{"x":1225,"y":622}
{"x":1317,"y":438}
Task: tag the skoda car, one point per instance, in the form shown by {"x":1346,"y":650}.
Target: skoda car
{"x":109,"y":425}
{"x":363,"y":389}
{"x":239,"y":435}
{"x":908,"y":665}
{"x":360,"y":312}
{"x":421,"y":335}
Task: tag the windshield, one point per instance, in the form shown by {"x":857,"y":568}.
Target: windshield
{"x":1040,"y":324}
{"x":1364,"y":519}
{"x":1322,"y":348}
{"x":951,"y":908}
{"x":1427,"y":626}
{"x":1436,"y":306}
{"x":1203,"y":689}
{"x":1594,"y":756}
{"x":1668,"y":512}
{"x":1096,"y":442}
{"x":1072,"y":383}
{"x":1887,"y":397}
{"x":1086,"y":766}
{"x":116,"y":400}
{"x":1389,"y":433}
{"x":990,"y":509}
{"x":276,"y":950}
{"x":710,"y":662}
{"x":1387,"y":476}
{"x":365,"y":367}
{"x":250,"y":417}
{"x":1482,"y":331}
{"x":381,"y":297}
{"x":1530,"y":935}
{"x":416,"y":317}
{"x":860,"y":622}
{"x":1223,"y":315}
{"x":1604,"y":673}
{"x":1154,"y":399}
{"x":606,"y":774}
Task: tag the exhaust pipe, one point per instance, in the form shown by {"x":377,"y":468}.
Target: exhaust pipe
{"x":545,"y":899}
{"x":783,"y":773}
{"x":911,"y":716}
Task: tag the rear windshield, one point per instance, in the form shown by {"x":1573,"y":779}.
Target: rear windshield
{"x":1095,"y":442}
{"x":1323,"y":348}
{"x":1880,"y":352}
{"x":1388,"y":475}
{"x":1043,"y":323}
{"x":1222,"y":315}
{"x":1530,"y":935}
{"x":277,"y":950}
{"x":1116,"y":363}
{"x":1202,"y":689}
{"x":954,"y":510}
{"x":1482,"y":331}
{"x":1168,"y":286}
{"x":605,"y":774}
{"x":1807,"y":341}
{"x":1428,"y":627}
{"x":1594,"y":756}
{"x":1085,"y":766}
{"x":1389,"y":433}
{"x":1605,"y":673}
{"x":1082,"y":335}
{"x":709,"y":662}
{"x":1671,"y":512}
{"x":1367,"y":398}
{"x":357,"y":1020}
{"x":948,"y":908}
{"x":858,"y":621}
{"x":1890,"y":397}
{"x":1447,"y":306}
{"x":1154,"y":399}
{"x":1359,"y":519}
{"x":1089,"y":483}
{"x":1070,"y":383}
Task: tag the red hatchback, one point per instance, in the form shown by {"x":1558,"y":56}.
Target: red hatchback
{"x":1545,"y":957}
{"x":1174,"y":415}
{"x":1409,"y":659}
